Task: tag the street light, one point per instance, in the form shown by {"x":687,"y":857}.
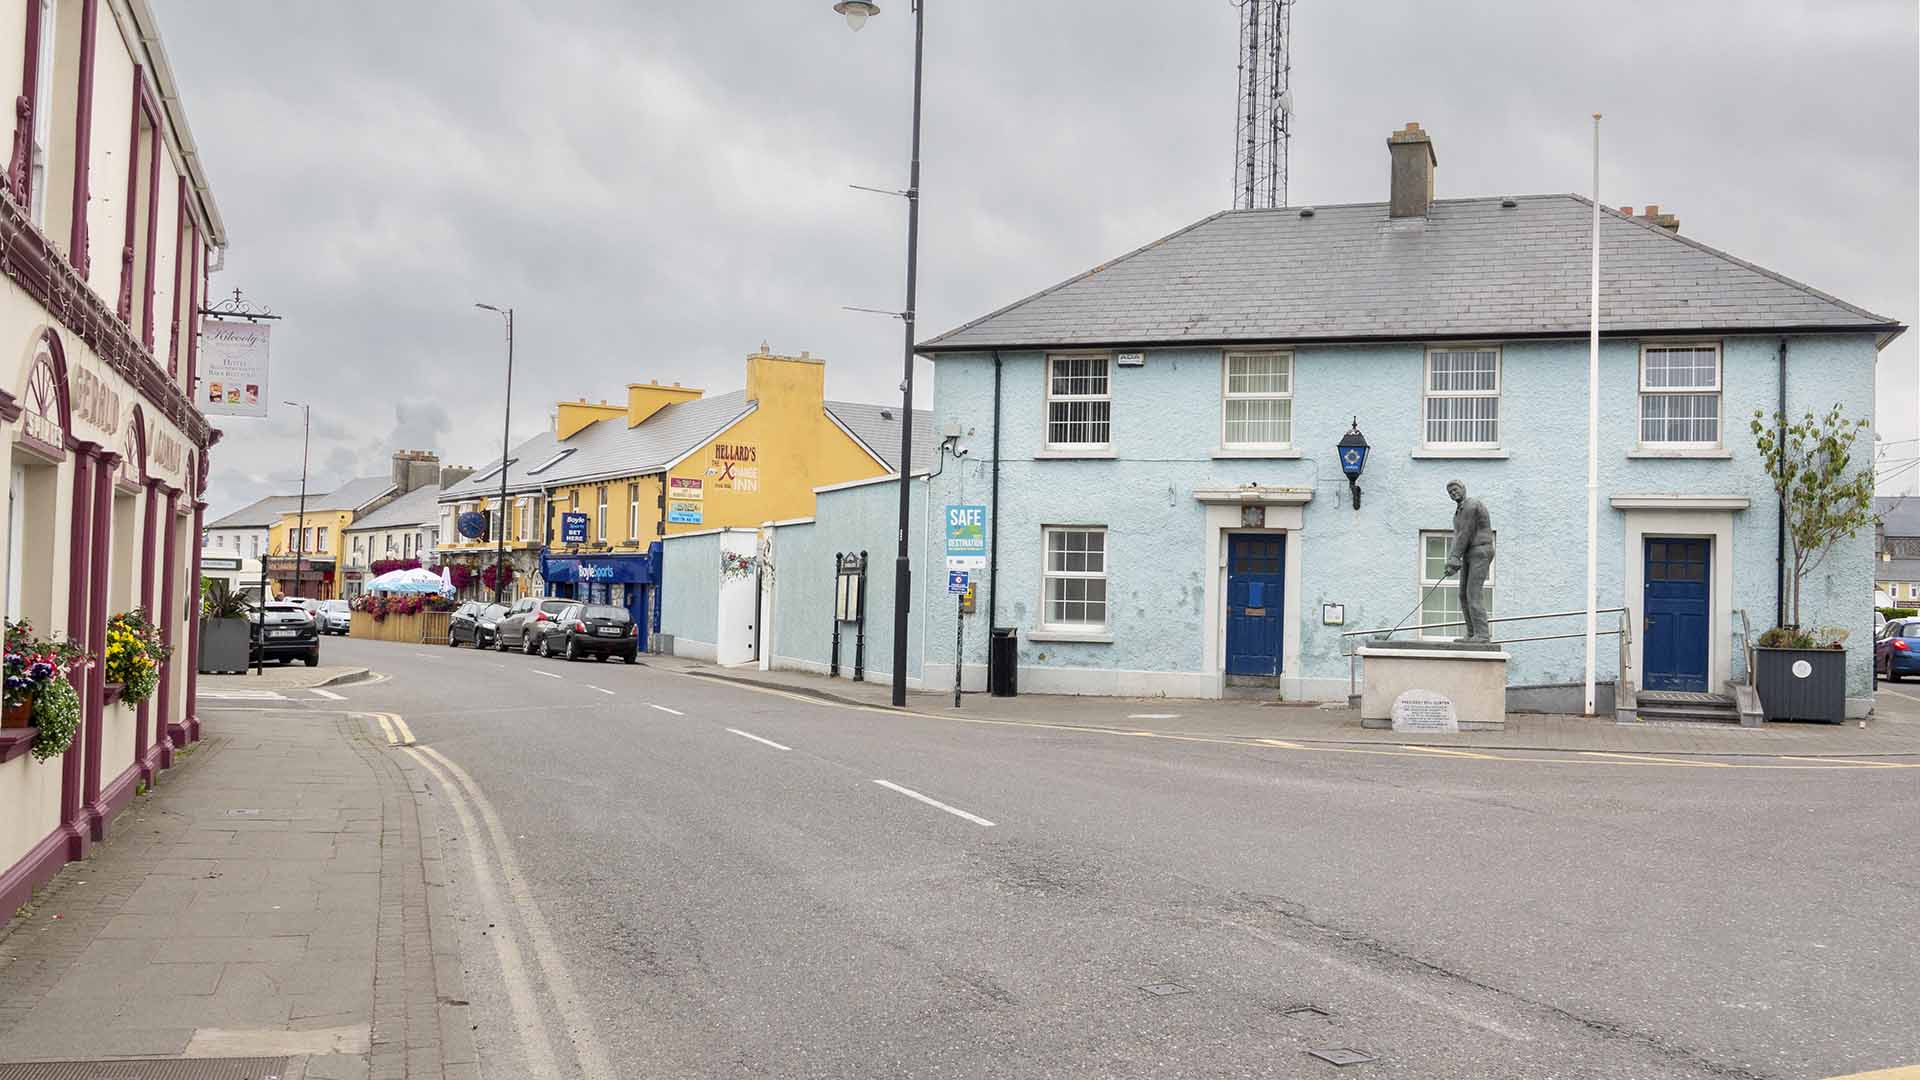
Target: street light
{"x":300,"y":538}
{"x":506,"y":437}
{"x":857,"y":13}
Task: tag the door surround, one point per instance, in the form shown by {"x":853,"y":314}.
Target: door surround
{"x":1686,"y":517}
{"x":1285,"y":514}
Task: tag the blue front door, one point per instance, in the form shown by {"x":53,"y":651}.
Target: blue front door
{"x":1256,"y":567}
{"x":1677,"y":615}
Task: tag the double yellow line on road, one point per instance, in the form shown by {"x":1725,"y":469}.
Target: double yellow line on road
{"x":396,"y":729}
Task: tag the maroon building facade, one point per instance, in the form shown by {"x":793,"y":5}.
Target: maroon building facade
{"x":107,"y":452}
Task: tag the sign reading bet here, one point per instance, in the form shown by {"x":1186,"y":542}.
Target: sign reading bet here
{"x":966,"y":536}
{"x":573,"y":528}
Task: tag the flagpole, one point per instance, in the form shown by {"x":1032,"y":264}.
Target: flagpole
{"x":1593,"y":428}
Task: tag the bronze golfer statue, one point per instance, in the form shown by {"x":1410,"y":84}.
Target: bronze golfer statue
{"x":1471,"y":555}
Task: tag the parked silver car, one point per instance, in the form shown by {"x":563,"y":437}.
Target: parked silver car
{"x":334,"y":617}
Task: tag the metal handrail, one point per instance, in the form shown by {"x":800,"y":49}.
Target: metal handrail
{"x":1746,"y":641}
{"x":1503,"y":618}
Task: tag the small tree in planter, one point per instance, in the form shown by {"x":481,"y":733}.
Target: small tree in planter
{"x":1823,"y":500}
{"x":226,"y":628}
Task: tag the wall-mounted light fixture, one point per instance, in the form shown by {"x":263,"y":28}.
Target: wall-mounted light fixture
{"x":1353,"y":459}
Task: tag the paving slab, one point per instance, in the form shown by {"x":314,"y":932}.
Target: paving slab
{"x":292,"y":928}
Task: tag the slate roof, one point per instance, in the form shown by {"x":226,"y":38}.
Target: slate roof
{"x":1470,"y":268}
{"x":352,"y":495}
{"x":261,"y":514}
{"x":878,"y":427}
{"x":1896,"y":570}
{"x":421,"y":506}
{"x":610,"y":448}
{"x":1899,"y":514}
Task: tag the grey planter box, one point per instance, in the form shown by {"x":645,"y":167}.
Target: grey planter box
{"x":1801,"y":684}
{"x":225,"y":645}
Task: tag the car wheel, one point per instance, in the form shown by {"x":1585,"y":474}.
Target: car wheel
{"x":573,"y":648}
{"x":599,"y":658}
{"x":526,"y":644}
{"x":546,"y":647}
{"x":313,"y":659}
{"x":499,"y":643}
{"x":452,"y":642}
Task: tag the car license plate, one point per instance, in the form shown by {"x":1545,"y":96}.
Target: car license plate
{"x":607,"y":631}
{"x":283,"y":633}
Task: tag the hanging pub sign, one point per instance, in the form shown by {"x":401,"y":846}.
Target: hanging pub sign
{"x":235,"y":367}
{"x":573,"y":528}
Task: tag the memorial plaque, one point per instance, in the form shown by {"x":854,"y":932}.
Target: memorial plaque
{"x":1424,"y":711}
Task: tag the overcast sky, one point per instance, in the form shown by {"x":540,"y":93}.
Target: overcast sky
{"x":659,"y":187}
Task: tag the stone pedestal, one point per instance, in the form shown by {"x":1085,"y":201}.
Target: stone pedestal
{"x":1471,"y":676}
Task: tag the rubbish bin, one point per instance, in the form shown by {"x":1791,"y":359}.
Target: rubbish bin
{"x":1003,"y":662}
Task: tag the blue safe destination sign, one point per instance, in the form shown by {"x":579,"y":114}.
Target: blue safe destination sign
{"x":966,"y":536}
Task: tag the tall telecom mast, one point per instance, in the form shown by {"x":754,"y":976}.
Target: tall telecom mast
{"x":1265,"y":103}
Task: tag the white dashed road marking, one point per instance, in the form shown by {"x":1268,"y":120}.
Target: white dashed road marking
{"x":327,"y":694}
{"x":936,"y":803}
{"x":600,"y":690}
{"x":664,"y":709}
{"x":758,"y":739}
{"x":548,"y":674}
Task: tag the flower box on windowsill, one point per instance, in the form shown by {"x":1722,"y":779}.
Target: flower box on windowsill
{"x":18,"y":716}
{"x":112,"y":692}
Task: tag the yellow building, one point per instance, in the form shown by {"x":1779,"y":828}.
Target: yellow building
{"x":670,"y":460}
{"x":304,"y":545}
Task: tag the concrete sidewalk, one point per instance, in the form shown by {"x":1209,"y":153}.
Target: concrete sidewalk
{"x":1889,"y":734}
{"x":287,"y":677}
{"x":276,"y":898}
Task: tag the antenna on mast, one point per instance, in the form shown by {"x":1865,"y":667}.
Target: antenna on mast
{"x":1265,"y":103}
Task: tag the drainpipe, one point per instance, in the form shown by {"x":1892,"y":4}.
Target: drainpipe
{"x":993,"y":526}
{"x":1780,"y":518}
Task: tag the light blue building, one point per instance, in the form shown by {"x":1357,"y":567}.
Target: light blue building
{"x":1156,"y":439}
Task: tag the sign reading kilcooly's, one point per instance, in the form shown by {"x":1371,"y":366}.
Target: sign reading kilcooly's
{"x":235,"y":375}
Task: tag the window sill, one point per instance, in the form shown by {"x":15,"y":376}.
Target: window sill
{"x":1711,"y":453}
{"x":1098,"y":638}
{"x":1463,"y":453}
{"x":1069,"y":455}
{"x":15,"y":741}
{"x":1254,"y":452}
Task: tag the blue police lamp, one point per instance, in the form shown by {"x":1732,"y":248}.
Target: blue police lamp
{"x":1353,"y":459}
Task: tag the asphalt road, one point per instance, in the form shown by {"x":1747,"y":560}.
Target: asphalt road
{"x":684,"y":878}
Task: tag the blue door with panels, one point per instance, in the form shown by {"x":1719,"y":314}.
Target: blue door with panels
{"x":1256,"y":568}
{"x":1678,"y":618}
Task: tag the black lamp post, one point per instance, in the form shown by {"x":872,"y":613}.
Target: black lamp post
{"x":1353,"y":458}
{"x":506,"y":438}
{"x":857,"y":13}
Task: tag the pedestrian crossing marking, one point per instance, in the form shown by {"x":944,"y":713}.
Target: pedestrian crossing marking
{"x":242,"y":695}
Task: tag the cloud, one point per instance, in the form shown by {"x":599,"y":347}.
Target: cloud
{"x":658,"y":188}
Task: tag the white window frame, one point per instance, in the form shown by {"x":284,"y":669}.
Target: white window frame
{"x":633,"y":511}
{"x":600,"y":519}
{"x":1051,"y":398}
{"x":43,"y":109}
{"x":525,"y":508}
{"x":1048,"y":576}
{"x":1228,"y":394}
{"x":1718,"y":390}
{"x":1427,"y":584}
{"x":1428,"y":393}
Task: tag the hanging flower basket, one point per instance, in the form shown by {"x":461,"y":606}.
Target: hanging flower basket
{"x":487,"y":576}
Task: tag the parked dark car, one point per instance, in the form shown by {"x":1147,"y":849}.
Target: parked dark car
{"x":291,"y":633}
{"x":512,"y":630}
{"x":583,"y":630}
{"x":1896,"y":653}
{"x":473,"y":623}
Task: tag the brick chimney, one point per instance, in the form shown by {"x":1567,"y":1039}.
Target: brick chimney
{"x":1413,"y":165}
{"x":415,"y":469}
{"x":1653,"y":216}
{"x":453,"y":474}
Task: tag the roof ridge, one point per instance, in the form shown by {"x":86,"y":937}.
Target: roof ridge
{"x":1740,"y":262}
{"x":1056,"y":287}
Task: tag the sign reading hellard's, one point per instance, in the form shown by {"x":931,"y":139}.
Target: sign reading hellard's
{"x":235,"y":378}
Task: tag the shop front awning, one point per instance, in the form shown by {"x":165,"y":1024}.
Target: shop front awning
{"x":635,"y":569}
